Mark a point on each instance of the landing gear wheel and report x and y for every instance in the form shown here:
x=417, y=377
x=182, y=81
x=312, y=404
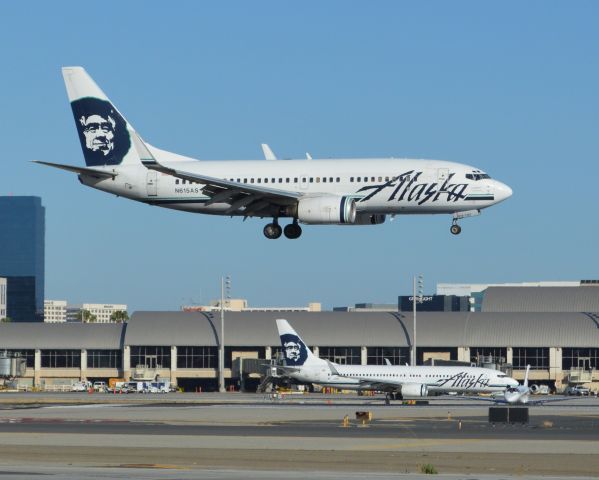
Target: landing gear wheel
x=292, y=231
x=272, y=231
x=455, y=229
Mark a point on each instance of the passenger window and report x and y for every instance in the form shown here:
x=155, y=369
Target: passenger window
x=273, y=180
x=380, y=179
x=311, y=179
x=358, y=179
x=259, y=180
x=245, y=180
x=372, y=179
x=287, y=180
x=266, y=180
x=239, y=180
x=280, y=180
x=386, y=179
x=351, y=179
x=317, y=179
x=338, y=179
x=251, y=180
x=324, y=179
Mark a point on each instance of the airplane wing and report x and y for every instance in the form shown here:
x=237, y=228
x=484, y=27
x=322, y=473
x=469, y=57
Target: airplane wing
x=80, y=170
x=249, y=199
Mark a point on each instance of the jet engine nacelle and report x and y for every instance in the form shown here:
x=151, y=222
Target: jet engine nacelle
x=326, y=210
x=414, y=390
x=369, y=219
x=534, y=388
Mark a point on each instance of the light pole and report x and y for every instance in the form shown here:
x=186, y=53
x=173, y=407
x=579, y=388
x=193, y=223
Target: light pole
x=221, y=347
x=415, y=299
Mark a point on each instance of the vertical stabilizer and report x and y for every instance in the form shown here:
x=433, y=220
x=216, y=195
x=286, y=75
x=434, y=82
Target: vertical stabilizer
x=525, y=384
x=105, y=135
x=295, y=351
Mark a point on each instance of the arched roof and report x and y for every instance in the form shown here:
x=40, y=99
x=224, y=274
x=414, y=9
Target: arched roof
x=35, y=335
x=251, y=329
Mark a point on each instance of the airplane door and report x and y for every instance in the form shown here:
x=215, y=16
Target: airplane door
x=152, y=183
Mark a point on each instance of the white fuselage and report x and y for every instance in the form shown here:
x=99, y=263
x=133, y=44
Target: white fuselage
x=379, y=186
x=436, y=378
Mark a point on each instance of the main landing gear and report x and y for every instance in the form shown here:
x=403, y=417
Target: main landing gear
x=273, y=230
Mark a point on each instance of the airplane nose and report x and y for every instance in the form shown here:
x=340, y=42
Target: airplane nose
x=502, y=191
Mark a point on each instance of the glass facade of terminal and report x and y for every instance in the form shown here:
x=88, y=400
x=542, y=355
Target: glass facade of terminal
x=22, y=236
x=395, y=355
x=536, y=357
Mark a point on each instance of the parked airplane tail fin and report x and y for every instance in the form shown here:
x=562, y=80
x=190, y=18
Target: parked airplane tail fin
x=525, y=384
x=295, y=351
x=105, y=135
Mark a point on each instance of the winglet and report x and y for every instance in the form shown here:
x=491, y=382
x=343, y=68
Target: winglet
x=332, y=368
x=268, y=153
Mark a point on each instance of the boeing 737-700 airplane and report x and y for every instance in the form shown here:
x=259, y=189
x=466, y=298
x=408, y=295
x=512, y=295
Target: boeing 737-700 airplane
x=360, y=191
x=406, y=381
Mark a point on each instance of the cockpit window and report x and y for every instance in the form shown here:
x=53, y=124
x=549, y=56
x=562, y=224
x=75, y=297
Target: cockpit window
x=501, y=376
x=477, y=175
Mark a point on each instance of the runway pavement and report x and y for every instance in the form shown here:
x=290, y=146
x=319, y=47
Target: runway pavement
x=241, y=433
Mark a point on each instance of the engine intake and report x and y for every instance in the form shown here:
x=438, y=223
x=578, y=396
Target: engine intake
x=414, y=390
x=326, y=210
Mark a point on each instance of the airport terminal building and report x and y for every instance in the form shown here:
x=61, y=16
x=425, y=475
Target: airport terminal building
x=561, y=347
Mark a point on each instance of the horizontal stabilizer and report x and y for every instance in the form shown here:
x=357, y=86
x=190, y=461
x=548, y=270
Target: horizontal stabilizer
x=80, y=170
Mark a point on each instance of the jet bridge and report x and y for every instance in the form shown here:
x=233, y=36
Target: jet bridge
x=12, y=365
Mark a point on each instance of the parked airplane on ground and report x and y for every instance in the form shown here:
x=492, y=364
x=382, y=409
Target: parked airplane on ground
x=416, y=381
x=520, y=395
x=320, y=192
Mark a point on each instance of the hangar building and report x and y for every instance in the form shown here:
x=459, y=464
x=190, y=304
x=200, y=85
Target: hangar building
x=561, y=347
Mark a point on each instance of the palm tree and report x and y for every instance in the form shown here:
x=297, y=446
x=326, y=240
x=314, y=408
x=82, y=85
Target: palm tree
x=86, y=316
x=119, y=316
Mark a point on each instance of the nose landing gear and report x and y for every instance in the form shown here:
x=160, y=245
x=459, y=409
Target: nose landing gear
x=455, y=228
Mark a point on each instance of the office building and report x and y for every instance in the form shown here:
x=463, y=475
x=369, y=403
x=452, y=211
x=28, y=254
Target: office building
x=98, y=312
x=22, y=236
x=55, y=311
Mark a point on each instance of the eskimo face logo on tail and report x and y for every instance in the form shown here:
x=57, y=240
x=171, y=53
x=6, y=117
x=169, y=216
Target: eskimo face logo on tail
x=102, y=131
x=294, y=349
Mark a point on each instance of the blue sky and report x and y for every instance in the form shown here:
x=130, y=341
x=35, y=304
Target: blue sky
x=510, y=87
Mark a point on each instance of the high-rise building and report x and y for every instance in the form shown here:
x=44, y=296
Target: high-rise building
x=22, y=235
x=2, y=298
